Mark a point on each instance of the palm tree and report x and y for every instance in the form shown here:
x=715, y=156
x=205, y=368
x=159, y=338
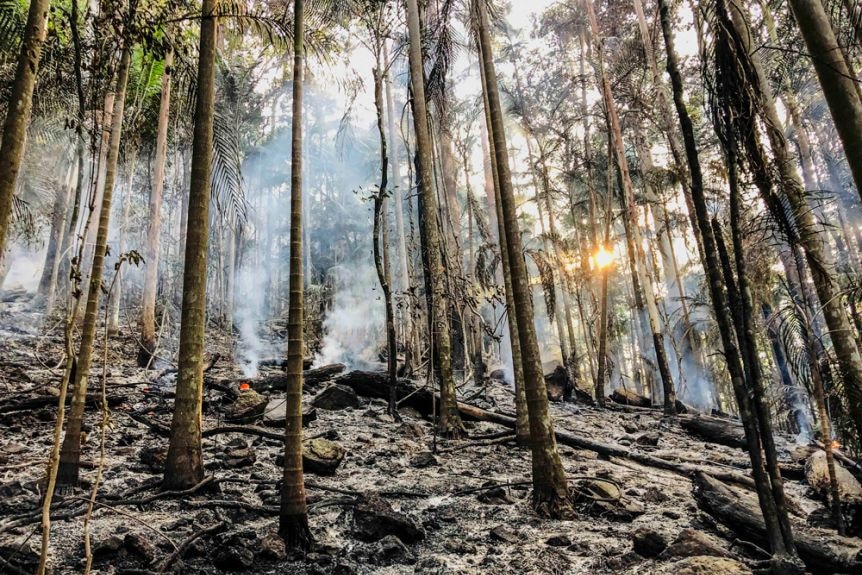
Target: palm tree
x=838, y=83
x=184, y=464
x=18, y=114
x=70, y=454
x=550, y=487
x=293, y=514
x=449, y=423
x=151, y=274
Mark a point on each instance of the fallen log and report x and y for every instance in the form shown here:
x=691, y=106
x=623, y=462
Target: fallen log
x=715, y=430
x=821, y=550
x=310, y=378
x=628, y=397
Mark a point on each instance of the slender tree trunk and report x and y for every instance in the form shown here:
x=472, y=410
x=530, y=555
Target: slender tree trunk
x=116, y=294
x=449, y=422
x=184, y=464
x=550, y=490
x=838, y=83
x=70, y=454
x=18, y=111
x=634, y=228
x=53, y=254
x=154, y=227
x=293, y=515
x=717, y=295
x=810, y=234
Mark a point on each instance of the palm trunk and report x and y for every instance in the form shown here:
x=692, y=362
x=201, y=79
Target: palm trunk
x=522, y=420
x=184, y=463
x=631, y=210
x=550, y=490
x=717, y=294
x=18, y=113
x=810, y=234
x=70, y=455
x=293, y=514
x=836, y=79
x=154, y=227
x=449, y=422
x=116, y=294
x=48, y=281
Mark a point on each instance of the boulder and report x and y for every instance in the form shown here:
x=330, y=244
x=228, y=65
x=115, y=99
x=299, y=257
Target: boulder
x=374, y=519
x=321, y=456
x=272, y=548
x=648, y=542
x=692, y=543
x=559, y=541
x=423, y=460
x=276, y=412
x=649, y=438
x=153, y=457
x=248, y=406
x=137, y=544
x=336, y=397
x=233, y=558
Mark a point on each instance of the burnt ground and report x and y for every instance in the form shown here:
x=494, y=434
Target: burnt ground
x=464, y=509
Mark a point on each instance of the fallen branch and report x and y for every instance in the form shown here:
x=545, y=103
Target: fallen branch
x=244, y=429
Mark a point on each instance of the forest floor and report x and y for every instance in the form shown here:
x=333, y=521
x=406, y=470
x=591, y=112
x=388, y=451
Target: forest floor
x=465, y=508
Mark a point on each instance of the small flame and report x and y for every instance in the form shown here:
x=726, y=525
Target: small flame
x=244, y=386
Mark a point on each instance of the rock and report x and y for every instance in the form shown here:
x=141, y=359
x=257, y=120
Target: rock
x=108, y=547
x=233, y=558
x=648, y=542
x=559, y=541
x=392, y=550
x=272, y=547
x=705, y=566
x=504, y=534
x=247, y=407
x=692, y=543
x=498, y=374
x=276, y=411
x=628, y=397
x=374, y=519
x=423, y=460
x=336, y=397
x=495, y=496
x=136, y=544
x=153, y=457
x=321, y=456
x=630, y=427
x=239, y=457
x=650, y=438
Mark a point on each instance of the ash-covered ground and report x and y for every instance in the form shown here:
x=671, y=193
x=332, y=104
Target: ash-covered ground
x=400, y=501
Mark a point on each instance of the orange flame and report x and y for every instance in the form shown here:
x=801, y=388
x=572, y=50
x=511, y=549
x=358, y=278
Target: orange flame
x=244, y=386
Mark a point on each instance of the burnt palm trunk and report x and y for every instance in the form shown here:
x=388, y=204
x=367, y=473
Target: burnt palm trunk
x=70, y=453
x=154, y=227
x=18, y=113
x=184, y=464
x=449, y=422
x=716, y=284
x=550, y=490
x=293, y=514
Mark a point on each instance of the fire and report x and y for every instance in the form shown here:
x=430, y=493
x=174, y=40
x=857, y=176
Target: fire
x=244, y=386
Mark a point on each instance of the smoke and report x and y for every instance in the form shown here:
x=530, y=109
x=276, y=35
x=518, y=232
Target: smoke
x=353, y=328
x=248, y=317
x=25, y=267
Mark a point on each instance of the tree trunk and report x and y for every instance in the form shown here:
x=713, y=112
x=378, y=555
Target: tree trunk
x=716, y=289
x=70, y=454
x=53, y=254
x=550, y=491
x=116, y=294
x=184, y=463
x=449, y=422
x=836, y=79
x=810, y=233
x=631, y=210
x=293, y=514
x=18, y=112
x=154, y=227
